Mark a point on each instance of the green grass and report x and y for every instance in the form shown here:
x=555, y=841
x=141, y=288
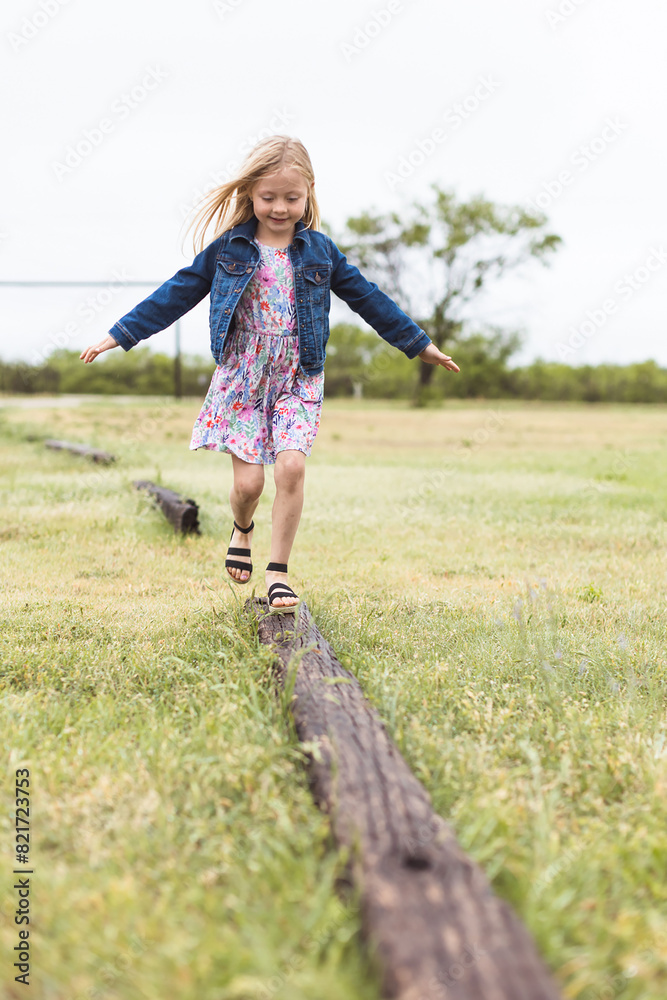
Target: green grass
x=493, y=575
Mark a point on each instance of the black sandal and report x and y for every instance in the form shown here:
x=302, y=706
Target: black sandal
x=280, y=590
x=234, y=563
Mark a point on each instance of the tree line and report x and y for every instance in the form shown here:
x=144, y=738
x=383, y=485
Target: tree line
x=359, y=365
x=436, y=261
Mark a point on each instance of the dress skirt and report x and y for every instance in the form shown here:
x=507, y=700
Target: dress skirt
x=259, y=402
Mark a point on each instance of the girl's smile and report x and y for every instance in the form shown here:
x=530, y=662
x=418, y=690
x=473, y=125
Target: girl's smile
x=279, y=201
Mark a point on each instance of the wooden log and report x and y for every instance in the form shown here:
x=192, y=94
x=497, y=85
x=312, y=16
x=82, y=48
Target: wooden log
x=95, y=454
x=179, y=511
x=428, y=911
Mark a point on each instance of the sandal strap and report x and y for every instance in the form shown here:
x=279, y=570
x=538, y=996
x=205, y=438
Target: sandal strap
x=276, y=568
x=235, y=564
x=280, y=590
x=235, y=550
x=244, y=531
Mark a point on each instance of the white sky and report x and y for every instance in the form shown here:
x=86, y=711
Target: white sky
x=222, y=71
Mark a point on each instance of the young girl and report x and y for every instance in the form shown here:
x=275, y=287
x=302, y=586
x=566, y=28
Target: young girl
x=269, y=272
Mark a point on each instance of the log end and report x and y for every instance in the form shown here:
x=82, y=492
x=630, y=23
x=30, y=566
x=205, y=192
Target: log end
x=181, y=512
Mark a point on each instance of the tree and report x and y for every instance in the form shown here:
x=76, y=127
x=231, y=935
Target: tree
x=350, y=355
x=442, y=256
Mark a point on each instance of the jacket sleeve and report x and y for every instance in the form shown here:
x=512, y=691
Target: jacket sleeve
x=168, y=302
x=375, y=306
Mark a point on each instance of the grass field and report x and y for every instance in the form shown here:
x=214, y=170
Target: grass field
x=495, y=577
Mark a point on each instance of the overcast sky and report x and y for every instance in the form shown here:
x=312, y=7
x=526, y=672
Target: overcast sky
x=556, y=102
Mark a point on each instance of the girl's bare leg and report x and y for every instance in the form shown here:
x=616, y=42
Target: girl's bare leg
x=244, y=497
x=289, y=475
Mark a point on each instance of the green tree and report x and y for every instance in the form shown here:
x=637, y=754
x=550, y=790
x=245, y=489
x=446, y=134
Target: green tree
x=350, y=355
x=442, y=256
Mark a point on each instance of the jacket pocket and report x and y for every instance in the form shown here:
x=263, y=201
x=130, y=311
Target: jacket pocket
x=234, y=267
x=316, y=284
x=317, y=276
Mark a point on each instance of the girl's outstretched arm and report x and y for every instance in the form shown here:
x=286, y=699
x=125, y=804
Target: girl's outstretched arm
x=90, y=353
x=432, y=356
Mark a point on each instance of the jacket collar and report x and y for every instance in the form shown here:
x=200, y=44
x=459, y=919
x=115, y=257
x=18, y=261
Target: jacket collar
x=246, y=231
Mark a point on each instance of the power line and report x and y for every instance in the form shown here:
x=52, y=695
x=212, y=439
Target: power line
x=178, y=387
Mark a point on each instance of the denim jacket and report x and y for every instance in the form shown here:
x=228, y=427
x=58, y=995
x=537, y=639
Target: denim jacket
x=225, y=267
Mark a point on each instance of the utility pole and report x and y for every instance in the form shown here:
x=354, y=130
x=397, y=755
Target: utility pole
x=178, y=381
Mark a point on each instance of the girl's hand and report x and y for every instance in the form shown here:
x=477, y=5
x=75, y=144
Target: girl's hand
x=432, y=356
x=90, y=353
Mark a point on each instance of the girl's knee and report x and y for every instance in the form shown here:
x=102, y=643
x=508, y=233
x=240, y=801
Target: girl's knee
x=248, y=488
x=290, y=468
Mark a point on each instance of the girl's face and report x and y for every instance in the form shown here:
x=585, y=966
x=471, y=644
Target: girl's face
x=279, y=201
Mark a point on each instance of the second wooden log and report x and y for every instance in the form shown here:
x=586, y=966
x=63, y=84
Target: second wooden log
x=179, y=511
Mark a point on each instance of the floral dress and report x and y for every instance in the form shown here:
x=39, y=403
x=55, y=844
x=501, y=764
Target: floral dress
x=259, y=403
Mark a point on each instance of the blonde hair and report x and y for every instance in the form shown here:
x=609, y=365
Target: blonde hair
x=230, y=204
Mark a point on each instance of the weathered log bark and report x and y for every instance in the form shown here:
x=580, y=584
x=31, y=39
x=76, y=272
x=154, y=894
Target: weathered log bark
x=179, y=511
x=428, y=911
x=95, y=454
